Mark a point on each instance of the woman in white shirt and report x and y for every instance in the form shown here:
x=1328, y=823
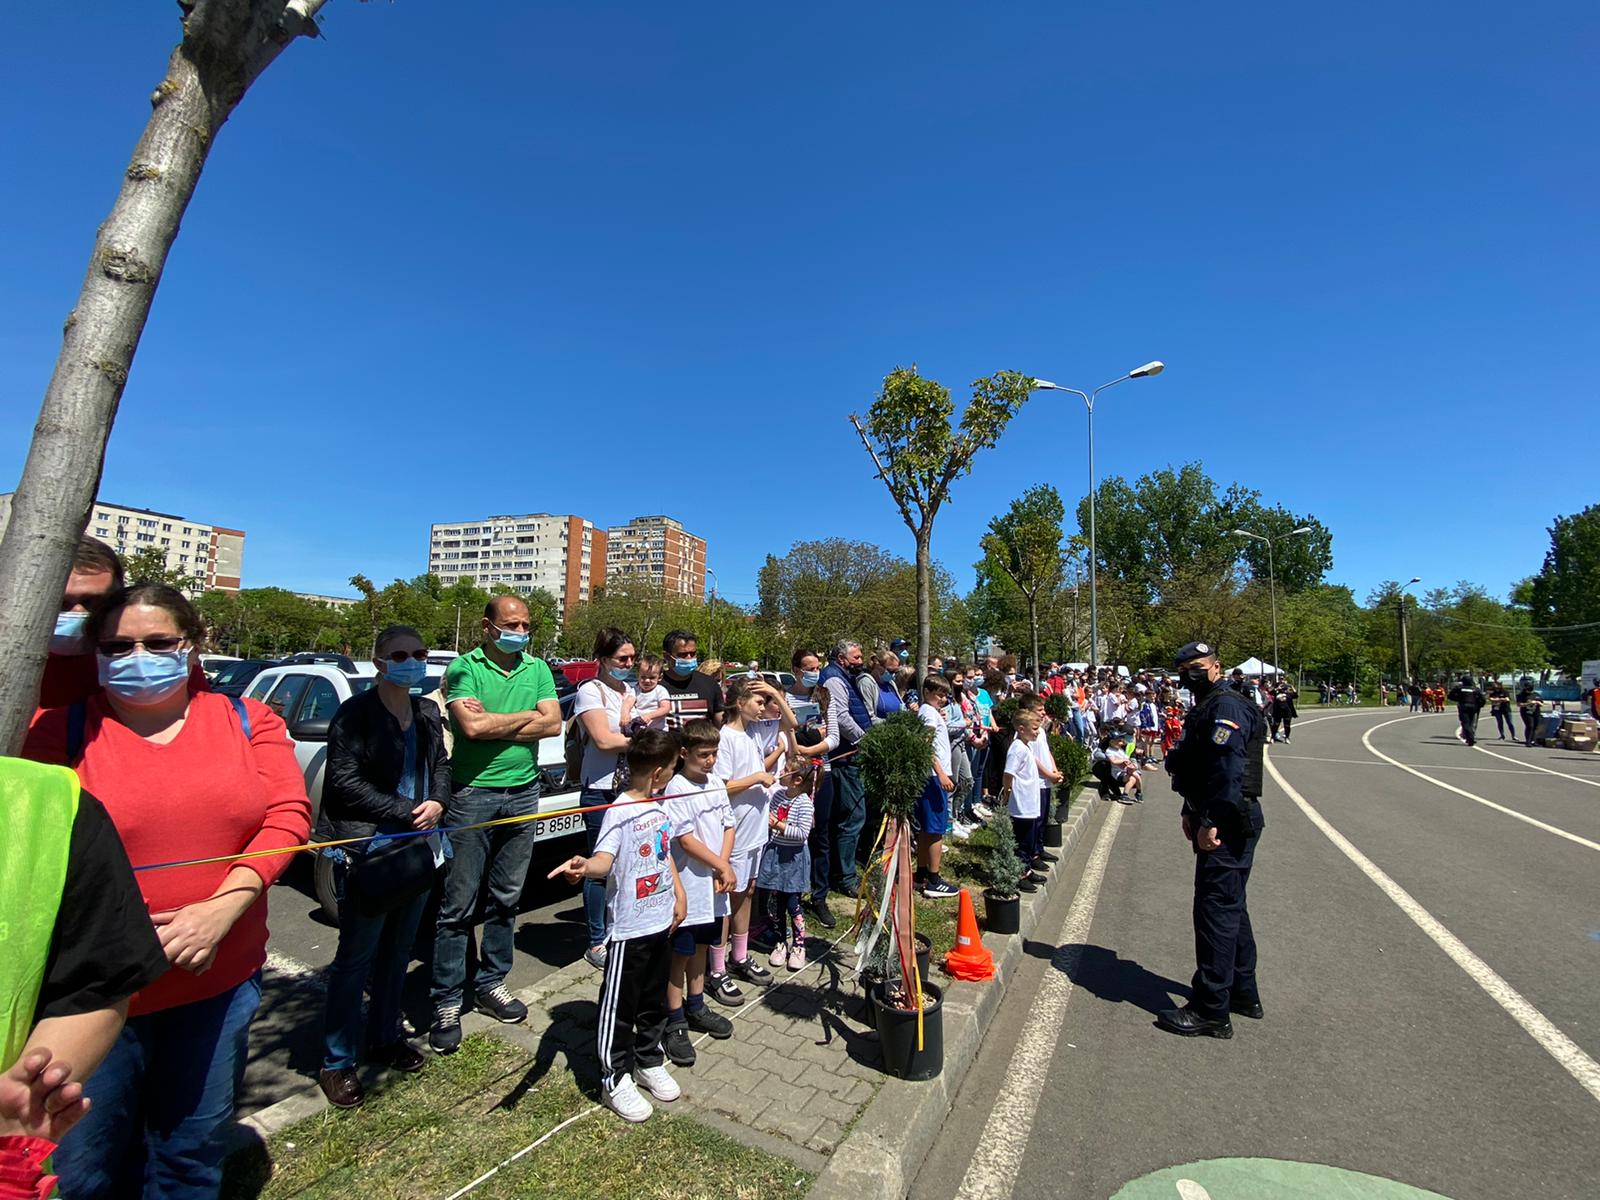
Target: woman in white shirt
x=598, y=708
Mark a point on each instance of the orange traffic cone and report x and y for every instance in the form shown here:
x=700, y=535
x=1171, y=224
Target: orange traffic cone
x=969, y=959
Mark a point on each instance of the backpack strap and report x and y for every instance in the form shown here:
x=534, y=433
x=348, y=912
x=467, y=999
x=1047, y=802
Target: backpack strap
x=77, y=721
x=242, y=713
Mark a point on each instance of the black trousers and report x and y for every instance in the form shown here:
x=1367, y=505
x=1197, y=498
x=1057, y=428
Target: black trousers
x=1505, y=725
x=1530, y=723
x=1469, y=724
x=1224, y=942
x=633, y=1006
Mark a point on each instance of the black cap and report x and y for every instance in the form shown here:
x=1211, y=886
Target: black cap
x=897, y=643
x=1194, y=650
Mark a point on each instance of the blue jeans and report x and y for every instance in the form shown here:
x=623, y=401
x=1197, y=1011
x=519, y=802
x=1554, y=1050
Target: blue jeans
x=376, y=946
x=594, y=890
x=503, y=854
x=841, y=812
x=161, y=1098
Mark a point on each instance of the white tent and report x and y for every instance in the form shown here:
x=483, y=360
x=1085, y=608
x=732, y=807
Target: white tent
x=1253, y=666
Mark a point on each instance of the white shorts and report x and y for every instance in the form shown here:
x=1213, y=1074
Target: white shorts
x=745, y=864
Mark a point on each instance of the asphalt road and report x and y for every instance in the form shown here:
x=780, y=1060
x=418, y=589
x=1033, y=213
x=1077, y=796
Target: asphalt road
x=1462, y=1061
x=286, y=1039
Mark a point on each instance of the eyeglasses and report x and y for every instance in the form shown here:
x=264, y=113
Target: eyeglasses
x=117, y=647
x=399, y=656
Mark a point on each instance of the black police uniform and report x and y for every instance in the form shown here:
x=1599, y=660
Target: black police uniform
x=1469, y=703
x=1216, y=767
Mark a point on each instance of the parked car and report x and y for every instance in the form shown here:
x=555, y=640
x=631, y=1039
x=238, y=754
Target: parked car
x=306, y=695
x=308, y=657
x=233, y=678
x=778, y=679
x=212, y=663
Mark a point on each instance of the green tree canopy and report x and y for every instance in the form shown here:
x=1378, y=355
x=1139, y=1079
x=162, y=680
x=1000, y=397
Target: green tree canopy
x=1566, y=591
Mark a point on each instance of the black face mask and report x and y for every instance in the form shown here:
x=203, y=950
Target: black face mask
x=1198, y=680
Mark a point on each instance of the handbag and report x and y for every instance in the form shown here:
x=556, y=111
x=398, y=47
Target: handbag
x=389, y=874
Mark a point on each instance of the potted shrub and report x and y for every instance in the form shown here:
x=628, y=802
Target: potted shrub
x=1001, y=869
x=1072, y=760
x=896, y=757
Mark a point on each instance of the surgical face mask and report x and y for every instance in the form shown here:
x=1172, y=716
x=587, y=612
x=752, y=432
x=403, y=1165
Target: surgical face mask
x=684, y=666
x=620, y=674
x=810, y=678
x=405, y=674
x=1198, y=678
x=510, y=641
x=68, y=637
x=142, y=678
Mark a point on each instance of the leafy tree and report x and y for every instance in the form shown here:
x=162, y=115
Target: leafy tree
x=148, y=564
x=1300, y=561
x=1566, y=592
x=1025, y=541
x=918, y=456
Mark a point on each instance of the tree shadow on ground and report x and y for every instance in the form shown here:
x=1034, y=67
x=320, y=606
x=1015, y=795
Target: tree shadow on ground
x=570, y=1036
x=1104, y=973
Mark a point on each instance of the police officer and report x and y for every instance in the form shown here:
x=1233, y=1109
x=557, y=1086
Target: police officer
x=1469, y=703
x=1216, y=768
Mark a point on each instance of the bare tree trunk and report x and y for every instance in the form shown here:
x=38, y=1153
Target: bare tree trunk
x=924, y=599
x=226, y=45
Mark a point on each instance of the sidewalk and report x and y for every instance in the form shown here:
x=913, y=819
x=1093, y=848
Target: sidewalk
x=794, y=1085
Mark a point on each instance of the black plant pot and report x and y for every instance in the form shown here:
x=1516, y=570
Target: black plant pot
x=1052, y=833
x=1002, y=914
x=924, y=952
x=897, y=1035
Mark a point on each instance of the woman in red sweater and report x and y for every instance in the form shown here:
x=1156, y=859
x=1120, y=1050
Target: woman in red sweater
x=182, y=777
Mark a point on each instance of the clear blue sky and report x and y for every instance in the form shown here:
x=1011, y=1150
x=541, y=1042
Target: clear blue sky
x=620, y=259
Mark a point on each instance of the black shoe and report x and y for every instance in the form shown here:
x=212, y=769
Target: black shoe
x=1247, y=1008
x=723, y=990
x=1035, y=877
x=1027, y=884
x=709, y=1020
x=935, y=888
x=750, y=971
x=678, y=1046
x=1046, y=856
x=445, y=1036
x=824, y=916
x=1185, y=1022
x=402, y=1056
x=499, y=1003
x=1040, y=866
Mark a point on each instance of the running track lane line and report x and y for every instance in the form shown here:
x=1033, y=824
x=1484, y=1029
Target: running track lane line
x=992, y=1174
x=1546, y=770
x=1558, y=1045
x=1366, y=740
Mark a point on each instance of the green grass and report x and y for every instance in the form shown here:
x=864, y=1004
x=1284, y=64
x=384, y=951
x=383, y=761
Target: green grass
x=429, y=1134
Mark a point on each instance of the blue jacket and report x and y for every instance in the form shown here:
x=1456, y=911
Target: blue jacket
x=858, y=708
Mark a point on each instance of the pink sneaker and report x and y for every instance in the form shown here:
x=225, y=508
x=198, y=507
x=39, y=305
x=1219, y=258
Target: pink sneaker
x=797, y=956
x=780, y=956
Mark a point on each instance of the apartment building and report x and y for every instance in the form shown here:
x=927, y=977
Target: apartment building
x=563, y=554
x=212, y=554
x=660, y=550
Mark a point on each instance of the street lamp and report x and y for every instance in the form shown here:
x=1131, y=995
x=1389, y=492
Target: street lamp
x=1405, y=649
x=1088, y=398
x=1272, y=582
x=711, y=611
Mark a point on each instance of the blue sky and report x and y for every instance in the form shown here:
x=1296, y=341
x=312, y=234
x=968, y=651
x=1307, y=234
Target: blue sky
x=636, y=258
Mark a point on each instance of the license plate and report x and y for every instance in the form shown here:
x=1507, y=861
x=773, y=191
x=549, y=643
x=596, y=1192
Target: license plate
x=553, y=827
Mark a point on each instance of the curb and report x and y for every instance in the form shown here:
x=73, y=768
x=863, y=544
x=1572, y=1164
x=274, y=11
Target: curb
x=894, y=1133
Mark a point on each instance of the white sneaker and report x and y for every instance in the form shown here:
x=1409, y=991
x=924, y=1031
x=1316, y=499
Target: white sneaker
x=779, y=956
x=985, y=811
x=659, y=1082
x=624, y=1100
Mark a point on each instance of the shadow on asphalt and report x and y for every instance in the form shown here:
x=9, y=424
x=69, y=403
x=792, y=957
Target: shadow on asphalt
x=1105, y=974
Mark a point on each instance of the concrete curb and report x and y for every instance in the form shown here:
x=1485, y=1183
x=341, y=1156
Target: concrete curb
x=880, y=1157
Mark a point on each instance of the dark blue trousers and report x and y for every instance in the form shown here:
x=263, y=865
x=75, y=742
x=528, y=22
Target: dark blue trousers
x=1224, y=943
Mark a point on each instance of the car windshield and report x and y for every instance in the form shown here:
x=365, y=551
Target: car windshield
x=238, y=672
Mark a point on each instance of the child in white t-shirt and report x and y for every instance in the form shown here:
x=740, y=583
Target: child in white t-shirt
x=645, y=901
x=651, y=703
x=1023, y=783
x=702, y=847
x=1049, y=777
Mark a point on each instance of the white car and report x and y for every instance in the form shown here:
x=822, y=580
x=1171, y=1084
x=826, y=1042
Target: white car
x=306, y=695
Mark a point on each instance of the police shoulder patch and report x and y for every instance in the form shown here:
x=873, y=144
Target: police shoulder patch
x=1222, y=732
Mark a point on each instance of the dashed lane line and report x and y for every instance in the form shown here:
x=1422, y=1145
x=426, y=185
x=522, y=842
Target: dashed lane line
x=1540, y=1028
x=1366, y=740
x=992, y=1174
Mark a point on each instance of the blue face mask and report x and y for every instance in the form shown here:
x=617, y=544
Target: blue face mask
x=68, y=637
x=810, y=678
x=509, y=641
x=620, y=674
x=684, y=666
x=143, y=678
x=405, y=674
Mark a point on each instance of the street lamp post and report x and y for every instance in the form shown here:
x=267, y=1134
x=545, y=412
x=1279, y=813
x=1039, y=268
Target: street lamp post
x=1405, y=648
x=711, y=611
x=1272, y=583
x=1088, y=398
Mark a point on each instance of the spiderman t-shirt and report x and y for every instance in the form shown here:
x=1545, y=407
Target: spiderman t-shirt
x=639, y=893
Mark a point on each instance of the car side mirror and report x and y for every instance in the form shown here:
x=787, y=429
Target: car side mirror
x=310, y=731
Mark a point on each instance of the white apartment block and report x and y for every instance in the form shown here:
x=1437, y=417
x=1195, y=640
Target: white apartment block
x=563, y=554
x=212, y=554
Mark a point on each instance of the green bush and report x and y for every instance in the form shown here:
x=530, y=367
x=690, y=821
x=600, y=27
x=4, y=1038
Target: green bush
x=1005, y=711
x=896, y=758
x=1057, y=707
x=1072, y=760
x=998, y=863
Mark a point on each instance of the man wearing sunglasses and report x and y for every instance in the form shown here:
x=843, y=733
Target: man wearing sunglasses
x=502, y=701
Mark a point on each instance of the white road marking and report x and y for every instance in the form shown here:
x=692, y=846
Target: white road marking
x=992, y=1174
x=293, y=968
x=1362, y=762
x=1536, y=767
x=1558, y=1045
x=1366, y=740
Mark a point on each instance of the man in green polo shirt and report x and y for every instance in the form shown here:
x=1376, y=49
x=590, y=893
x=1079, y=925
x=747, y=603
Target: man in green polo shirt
x=502, y=701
